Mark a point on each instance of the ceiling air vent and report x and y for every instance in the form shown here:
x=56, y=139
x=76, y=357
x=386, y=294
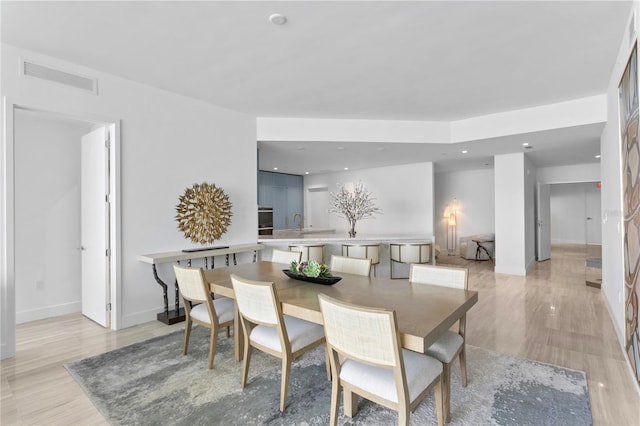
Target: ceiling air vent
x=62, y=77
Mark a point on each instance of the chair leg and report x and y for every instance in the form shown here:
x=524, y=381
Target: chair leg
x=446, y=391
x=439, y=408
x=403, y=416
x=350, y=403
x=228, y=331
x=463, y=364
x=245, y=364
x=284, y=385
x=212, y=345
x=327, y=362
x=187, y=334
x=335, y=401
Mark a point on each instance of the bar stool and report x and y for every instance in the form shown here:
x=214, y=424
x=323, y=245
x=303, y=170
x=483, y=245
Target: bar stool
x=312, y=251
x=363, y=251
x=414, y=252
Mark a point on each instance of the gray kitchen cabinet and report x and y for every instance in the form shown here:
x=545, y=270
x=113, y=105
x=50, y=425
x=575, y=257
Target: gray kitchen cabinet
x=284, y=193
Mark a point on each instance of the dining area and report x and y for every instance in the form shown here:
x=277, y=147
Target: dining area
x=386, y=340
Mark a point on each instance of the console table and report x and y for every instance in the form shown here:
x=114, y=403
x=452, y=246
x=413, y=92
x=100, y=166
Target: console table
x=480, y=243
x=177, y=315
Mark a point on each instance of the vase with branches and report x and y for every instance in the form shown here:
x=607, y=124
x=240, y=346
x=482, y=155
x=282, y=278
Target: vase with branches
x=353, y=205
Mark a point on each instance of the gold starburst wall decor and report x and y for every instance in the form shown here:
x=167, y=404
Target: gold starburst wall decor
x=204, y=213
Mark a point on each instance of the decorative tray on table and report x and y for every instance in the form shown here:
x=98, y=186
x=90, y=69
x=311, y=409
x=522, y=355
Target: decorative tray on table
x=330, y=280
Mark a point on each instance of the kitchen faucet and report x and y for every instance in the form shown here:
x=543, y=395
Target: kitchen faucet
x=300, y=222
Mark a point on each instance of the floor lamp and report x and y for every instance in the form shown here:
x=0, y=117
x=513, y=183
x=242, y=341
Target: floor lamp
x=450, y=215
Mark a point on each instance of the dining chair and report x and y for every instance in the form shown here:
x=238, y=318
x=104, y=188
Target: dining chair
x=201, y=308
x=367, y=360
x=267, y=329
x=284, y=256
x=450, y=343
x=350, y=265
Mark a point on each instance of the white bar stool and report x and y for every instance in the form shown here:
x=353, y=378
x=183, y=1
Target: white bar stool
x=415, y=252
x=309, y=251
x=363, y=251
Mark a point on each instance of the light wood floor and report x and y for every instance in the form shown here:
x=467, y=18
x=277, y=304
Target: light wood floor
x=550, y=316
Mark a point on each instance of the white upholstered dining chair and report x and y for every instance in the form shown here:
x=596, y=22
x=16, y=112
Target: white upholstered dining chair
x=367, y=359
x=267, y=329
x=450, y=343
x=285, y=256
x=350, y=265
x=201, y=308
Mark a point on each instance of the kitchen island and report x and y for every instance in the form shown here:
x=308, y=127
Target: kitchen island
x=333, y=245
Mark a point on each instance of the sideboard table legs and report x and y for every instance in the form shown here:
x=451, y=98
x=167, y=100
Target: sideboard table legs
x=174, y=316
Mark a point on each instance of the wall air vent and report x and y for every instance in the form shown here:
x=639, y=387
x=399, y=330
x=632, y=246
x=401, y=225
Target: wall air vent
x=32, y=69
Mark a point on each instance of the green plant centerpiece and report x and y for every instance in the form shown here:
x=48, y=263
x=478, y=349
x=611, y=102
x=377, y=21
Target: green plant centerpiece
x=311, y=271
x=310, y=268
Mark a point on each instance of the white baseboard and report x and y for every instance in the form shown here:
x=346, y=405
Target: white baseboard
x=142, y=317
x=510, y=270
x=48, y=312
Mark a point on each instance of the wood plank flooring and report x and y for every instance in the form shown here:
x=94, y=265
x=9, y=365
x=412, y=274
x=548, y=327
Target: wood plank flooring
x=550, y=316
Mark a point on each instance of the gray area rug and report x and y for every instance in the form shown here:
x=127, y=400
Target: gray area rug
x=152, y=383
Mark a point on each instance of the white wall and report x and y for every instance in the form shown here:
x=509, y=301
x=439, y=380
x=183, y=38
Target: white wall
x=567, y=174
x=47, y=228
x=474, y=192
x=168, y=142
x=572, y=113
x=569, y=211
x=612, y=238
x=403, y=193
x=530, y=180
x=511, y=236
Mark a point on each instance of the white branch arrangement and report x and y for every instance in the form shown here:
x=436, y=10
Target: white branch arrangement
x=353, y=205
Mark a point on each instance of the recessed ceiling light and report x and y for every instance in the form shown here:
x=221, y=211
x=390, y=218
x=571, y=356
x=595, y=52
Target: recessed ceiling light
x=278, y=19
x=306, y=173
x=340, y=148
x=525, y=143
x=464, y=151
x=275, y=168
x=346, y=168
x=380, y=148
x=598, y=156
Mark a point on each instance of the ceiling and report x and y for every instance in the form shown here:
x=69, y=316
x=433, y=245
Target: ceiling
x=388, y=60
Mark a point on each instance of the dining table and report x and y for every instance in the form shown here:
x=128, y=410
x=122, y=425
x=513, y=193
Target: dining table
x=424, y=312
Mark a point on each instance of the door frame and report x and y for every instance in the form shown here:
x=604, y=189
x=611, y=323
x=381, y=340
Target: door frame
x=540, y=250
x=7, y=220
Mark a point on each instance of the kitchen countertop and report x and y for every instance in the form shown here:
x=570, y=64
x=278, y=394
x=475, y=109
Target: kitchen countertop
x=293, y=233
x=296, y=237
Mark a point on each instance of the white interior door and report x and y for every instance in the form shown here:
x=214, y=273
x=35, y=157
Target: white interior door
x=318, y=207
x=543, y=220
x=593, y=232
x=95, y=226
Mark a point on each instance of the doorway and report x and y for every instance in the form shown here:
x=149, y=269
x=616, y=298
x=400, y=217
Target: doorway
x=41, y=193
x=572, y=214
x=576, y=213
x=318, y=207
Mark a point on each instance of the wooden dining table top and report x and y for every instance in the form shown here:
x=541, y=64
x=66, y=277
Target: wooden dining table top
x=424, y=312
